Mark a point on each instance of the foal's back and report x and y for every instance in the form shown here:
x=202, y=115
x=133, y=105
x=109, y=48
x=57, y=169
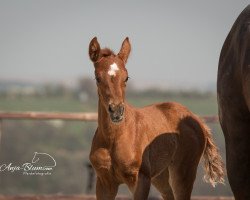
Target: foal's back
x=170, y=118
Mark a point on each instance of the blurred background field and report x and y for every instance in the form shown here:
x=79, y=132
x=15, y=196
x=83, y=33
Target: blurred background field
x=69, y=141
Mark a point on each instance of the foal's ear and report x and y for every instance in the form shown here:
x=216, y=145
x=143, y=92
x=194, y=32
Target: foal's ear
x=125, y=50
x=94, y=49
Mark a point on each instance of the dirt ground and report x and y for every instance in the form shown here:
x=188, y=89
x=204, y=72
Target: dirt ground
x=81, y=197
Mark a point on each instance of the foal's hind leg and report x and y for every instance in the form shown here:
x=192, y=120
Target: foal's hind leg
x=161, y=182
x=182, y=177
x=182, y=182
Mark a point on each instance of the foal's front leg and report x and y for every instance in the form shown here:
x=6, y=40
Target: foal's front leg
x=106, y=189
x=143, y=187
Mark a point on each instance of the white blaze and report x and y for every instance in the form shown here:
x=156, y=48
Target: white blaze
x=112, y=70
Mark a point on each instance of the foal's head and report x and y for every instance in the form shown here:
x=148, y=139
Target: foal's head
x=111, y=77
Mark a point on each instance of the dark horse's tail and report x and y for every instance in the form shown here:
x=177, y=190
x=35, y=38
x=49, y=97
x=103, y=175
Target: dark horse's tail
x=213, y=165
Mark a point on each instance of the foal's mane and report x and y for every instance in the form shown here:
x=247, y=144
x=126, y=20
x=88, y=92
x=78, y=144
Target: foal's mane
x=106, y=52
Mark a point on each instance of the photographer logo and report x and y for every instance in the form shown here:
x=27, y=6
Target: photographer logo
x=41, y=164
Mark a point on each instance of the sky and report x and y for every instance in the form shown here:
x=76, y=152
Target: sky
x=175, y=44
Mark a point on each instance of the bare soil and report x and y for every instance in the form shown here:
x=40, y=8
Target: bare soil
x=85, y=197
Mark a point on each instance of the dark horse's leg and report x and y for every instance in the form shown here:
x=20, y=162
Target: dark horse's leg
x=238, y=163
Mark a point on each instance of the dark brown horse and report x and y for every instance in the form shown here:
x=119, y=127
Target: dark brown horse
x=233, y=86
x=160, y=144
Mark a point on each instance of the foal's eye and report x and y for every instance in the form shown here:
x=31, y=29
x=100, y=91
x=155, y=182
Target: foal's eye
x=126, y=79
x=98, y=80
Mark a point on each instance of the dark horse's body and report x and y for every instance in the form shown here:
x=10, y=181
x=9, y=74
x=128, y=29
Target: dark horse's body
x=233, y=87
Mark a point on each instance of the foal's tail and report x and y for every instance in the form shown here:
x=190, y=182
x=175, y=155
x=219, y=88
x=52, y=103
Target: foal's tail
x=213, y=164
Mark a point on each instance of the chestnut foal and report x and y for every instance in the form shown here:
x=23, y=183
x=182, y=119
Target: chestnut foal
x=160, y=144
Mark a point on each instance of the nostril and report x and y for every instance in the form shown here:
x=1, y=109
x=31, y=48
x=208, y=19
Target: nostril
x=122, y=109
x=111, y=108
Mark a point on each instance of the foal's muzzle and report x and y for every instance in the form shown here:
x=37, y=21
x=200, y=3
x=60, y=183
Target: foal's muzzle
x=116, y=112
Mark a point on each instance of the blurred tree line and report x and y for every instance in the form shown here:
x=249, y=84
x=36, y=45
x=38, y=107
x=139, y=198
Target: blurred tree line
x=85, y=90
